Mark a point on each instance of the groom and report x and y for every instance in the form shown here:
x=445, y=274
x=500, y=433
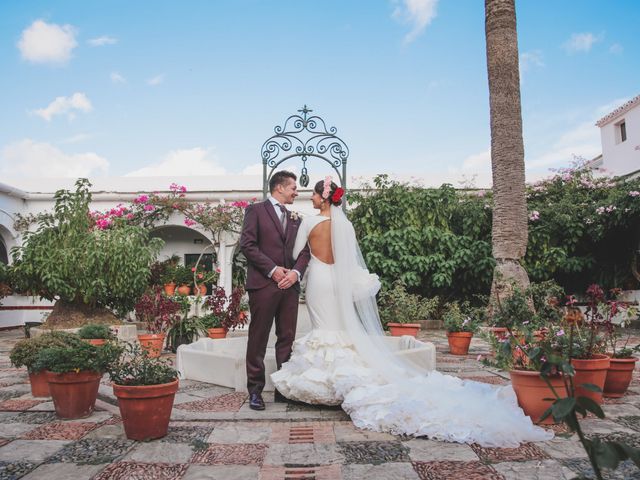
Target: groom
x=267, y=239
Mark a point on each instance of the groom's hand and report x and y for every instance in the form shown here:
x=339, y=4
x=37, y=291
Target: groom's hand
x=278, y=274
x=289, y=279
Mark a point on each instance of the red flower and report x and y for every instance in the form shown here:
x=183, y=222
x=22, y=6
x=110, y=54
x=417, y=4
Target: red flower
x=337, y=195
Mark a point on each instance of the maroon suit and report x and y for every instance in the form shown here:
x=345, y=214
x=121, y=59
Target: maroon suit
x=266, y=246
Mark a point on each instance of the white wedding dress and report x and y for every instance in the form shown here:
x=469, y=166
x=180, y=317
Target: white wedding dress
x=344, y=361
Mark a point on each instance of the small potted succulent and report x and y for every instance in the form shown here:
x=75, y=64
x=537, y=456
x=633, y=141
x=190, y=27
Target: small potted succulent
x=400, y=310
x=145, y=387
x=25, y=354
x=96, y=334
x=73, y=372
x=461, y=322
x=159, y=312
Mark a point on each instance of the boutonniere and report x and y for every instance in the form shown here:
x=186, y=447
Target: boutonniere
x=295, y=216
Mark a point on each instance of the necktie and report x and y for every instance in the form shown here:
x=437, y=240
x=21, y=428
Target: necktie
x=283, y=216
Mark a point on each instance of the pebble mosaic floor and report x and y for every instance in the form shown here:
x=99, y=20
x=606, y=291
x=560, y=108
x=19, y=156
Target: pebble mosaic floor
x=214, y=435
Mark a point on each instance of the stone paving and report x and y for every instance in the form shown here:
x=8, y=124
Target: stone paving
x=214, y=435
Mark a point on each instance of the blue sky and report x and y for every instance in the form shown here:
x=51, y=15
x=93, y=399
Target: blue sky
x=110, y=88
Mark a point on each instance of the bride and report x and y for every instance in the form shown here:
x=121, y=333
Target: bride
x=344, y=360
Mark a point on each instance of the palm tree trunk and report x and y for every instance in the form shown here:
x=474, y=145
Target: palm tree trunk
x=509, y=229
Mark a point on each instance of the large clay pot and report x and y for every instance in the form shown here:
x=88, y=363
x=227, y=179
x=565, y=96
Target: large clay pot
x=592, y=370
x=169, y=289
x=152, y=343
x=619, y=376
x=39, y=384
x=74, y=394
x=531, y=391
x=459, y=342
x=400, y=329
x=95, y=341
x=146, y=409
x=217, y=332
x=184, y=290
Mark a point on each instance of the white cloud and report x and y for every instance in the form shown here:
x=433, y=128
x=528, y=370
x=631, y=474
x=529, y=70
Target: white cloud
x=581, y=42
x=157, y=80
x=61, y=105
x=117, y=78
x=101, y=41
x=29, y=158
x=616, y=49
x=254, y=169
x=418, y=14
x=530, y=60
x=192, y=161
x=45, y=42
x=80, y=137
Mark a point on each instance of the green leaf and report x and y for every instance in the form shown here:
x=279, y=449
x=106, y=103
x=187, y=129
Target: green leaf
x=563, y=407
x=591, y=406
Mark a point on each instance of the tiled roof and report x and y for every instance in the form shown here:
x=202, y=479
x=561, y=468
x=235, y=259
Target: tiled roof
x=618, y=111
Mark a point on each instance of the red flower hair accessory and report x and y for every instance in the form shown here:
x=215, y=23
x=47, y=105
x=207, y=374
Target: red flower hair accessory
x=337, y=195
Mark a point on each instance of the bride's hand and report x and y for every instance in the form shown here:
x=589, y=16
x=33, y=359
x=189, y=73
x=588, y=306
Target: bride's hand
x=289, y=279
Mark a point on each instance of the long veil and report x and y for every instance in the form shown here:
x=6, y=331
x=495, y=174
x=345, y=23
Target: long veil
x=355, y=292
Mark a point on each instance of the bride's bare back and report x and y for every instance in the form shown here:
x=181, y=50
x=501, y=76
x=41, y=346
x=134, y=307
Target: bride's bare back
x=320, y=242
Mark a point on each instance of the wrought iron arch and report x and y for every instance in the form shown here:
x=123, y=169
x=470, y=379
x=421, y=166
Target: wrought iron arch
x=305, y=137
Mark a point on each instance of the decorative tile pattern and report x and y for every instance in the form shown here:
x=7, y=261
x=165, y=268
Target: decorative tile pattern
x=625, y=471
x=526, y=451
x=230, y=402
x=490, y=379
x=135, y=470
x=319, y=432
x=92, y=451
x=19, y=404
x=374, y=452
x=455, y=470
x=60, y=431
x=35, y=417
x=312, y=472
x=231, y=454
x=114, y=420
x=631, y=421
x=11, y=470
x=187, y=434
x=632, y=440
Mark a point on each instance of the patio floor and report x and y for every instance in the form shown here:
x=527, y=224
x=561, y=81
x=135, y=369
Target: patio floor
x=214, y=435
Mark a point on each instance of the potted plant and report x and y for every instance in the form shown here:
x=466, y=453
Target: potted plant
x=73, y=373
x=461, y=322
x=186, y=329
x=622, y=361
x=168, y=280
x=184, y=279
x=96, y=334
x=400, y=310
x=162, y=273
x=159, y=312
x=145, y=387
x=224, y=311
x=25, y=354
x=69, y=259
x=586, y=345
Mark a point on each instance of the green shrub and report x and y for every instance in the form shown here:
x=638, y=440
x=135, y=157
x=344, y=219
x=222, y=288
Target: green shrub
x=134, y=367
x=96, y=331
x=81, y=356
x=25, y=352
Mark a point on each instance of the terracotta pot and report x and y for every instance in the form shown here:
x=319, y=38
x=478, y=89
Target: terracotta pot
x=594, y=371
x=531, y=391
x=399, y=329
x=74, y=394
x=217, y=332
x=169, y=288
x=152, y=343
x=146, y=409
x=499, y=332
x=201, y=288
x=95, y=341
x=619, y=376
x=184, y=290
x=39, y=384
x=459, y=342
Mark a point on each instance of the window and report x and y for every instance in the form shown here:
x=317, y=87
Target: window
x=621, y=131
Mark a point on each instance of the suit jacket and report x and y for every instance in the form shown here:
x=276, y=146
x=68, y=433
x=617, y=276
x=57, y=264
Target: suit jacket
x=265, y=244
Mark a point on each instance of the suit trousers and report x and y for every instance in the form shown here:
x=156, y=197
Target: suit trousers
x=266, y=305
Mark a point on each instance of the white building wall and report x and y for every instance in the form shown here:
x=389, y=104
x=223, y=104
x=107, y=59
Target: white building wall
x=622, y=157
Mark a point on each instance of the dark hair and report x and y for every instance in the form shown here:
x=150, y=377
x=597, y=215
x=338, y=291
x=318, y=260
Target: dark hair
x=280, y=178
x=319, y=189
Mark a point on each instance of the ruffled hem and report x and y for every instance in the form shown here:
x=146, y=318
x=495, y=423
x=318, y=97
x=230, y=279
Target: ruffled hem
x=324, y=366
